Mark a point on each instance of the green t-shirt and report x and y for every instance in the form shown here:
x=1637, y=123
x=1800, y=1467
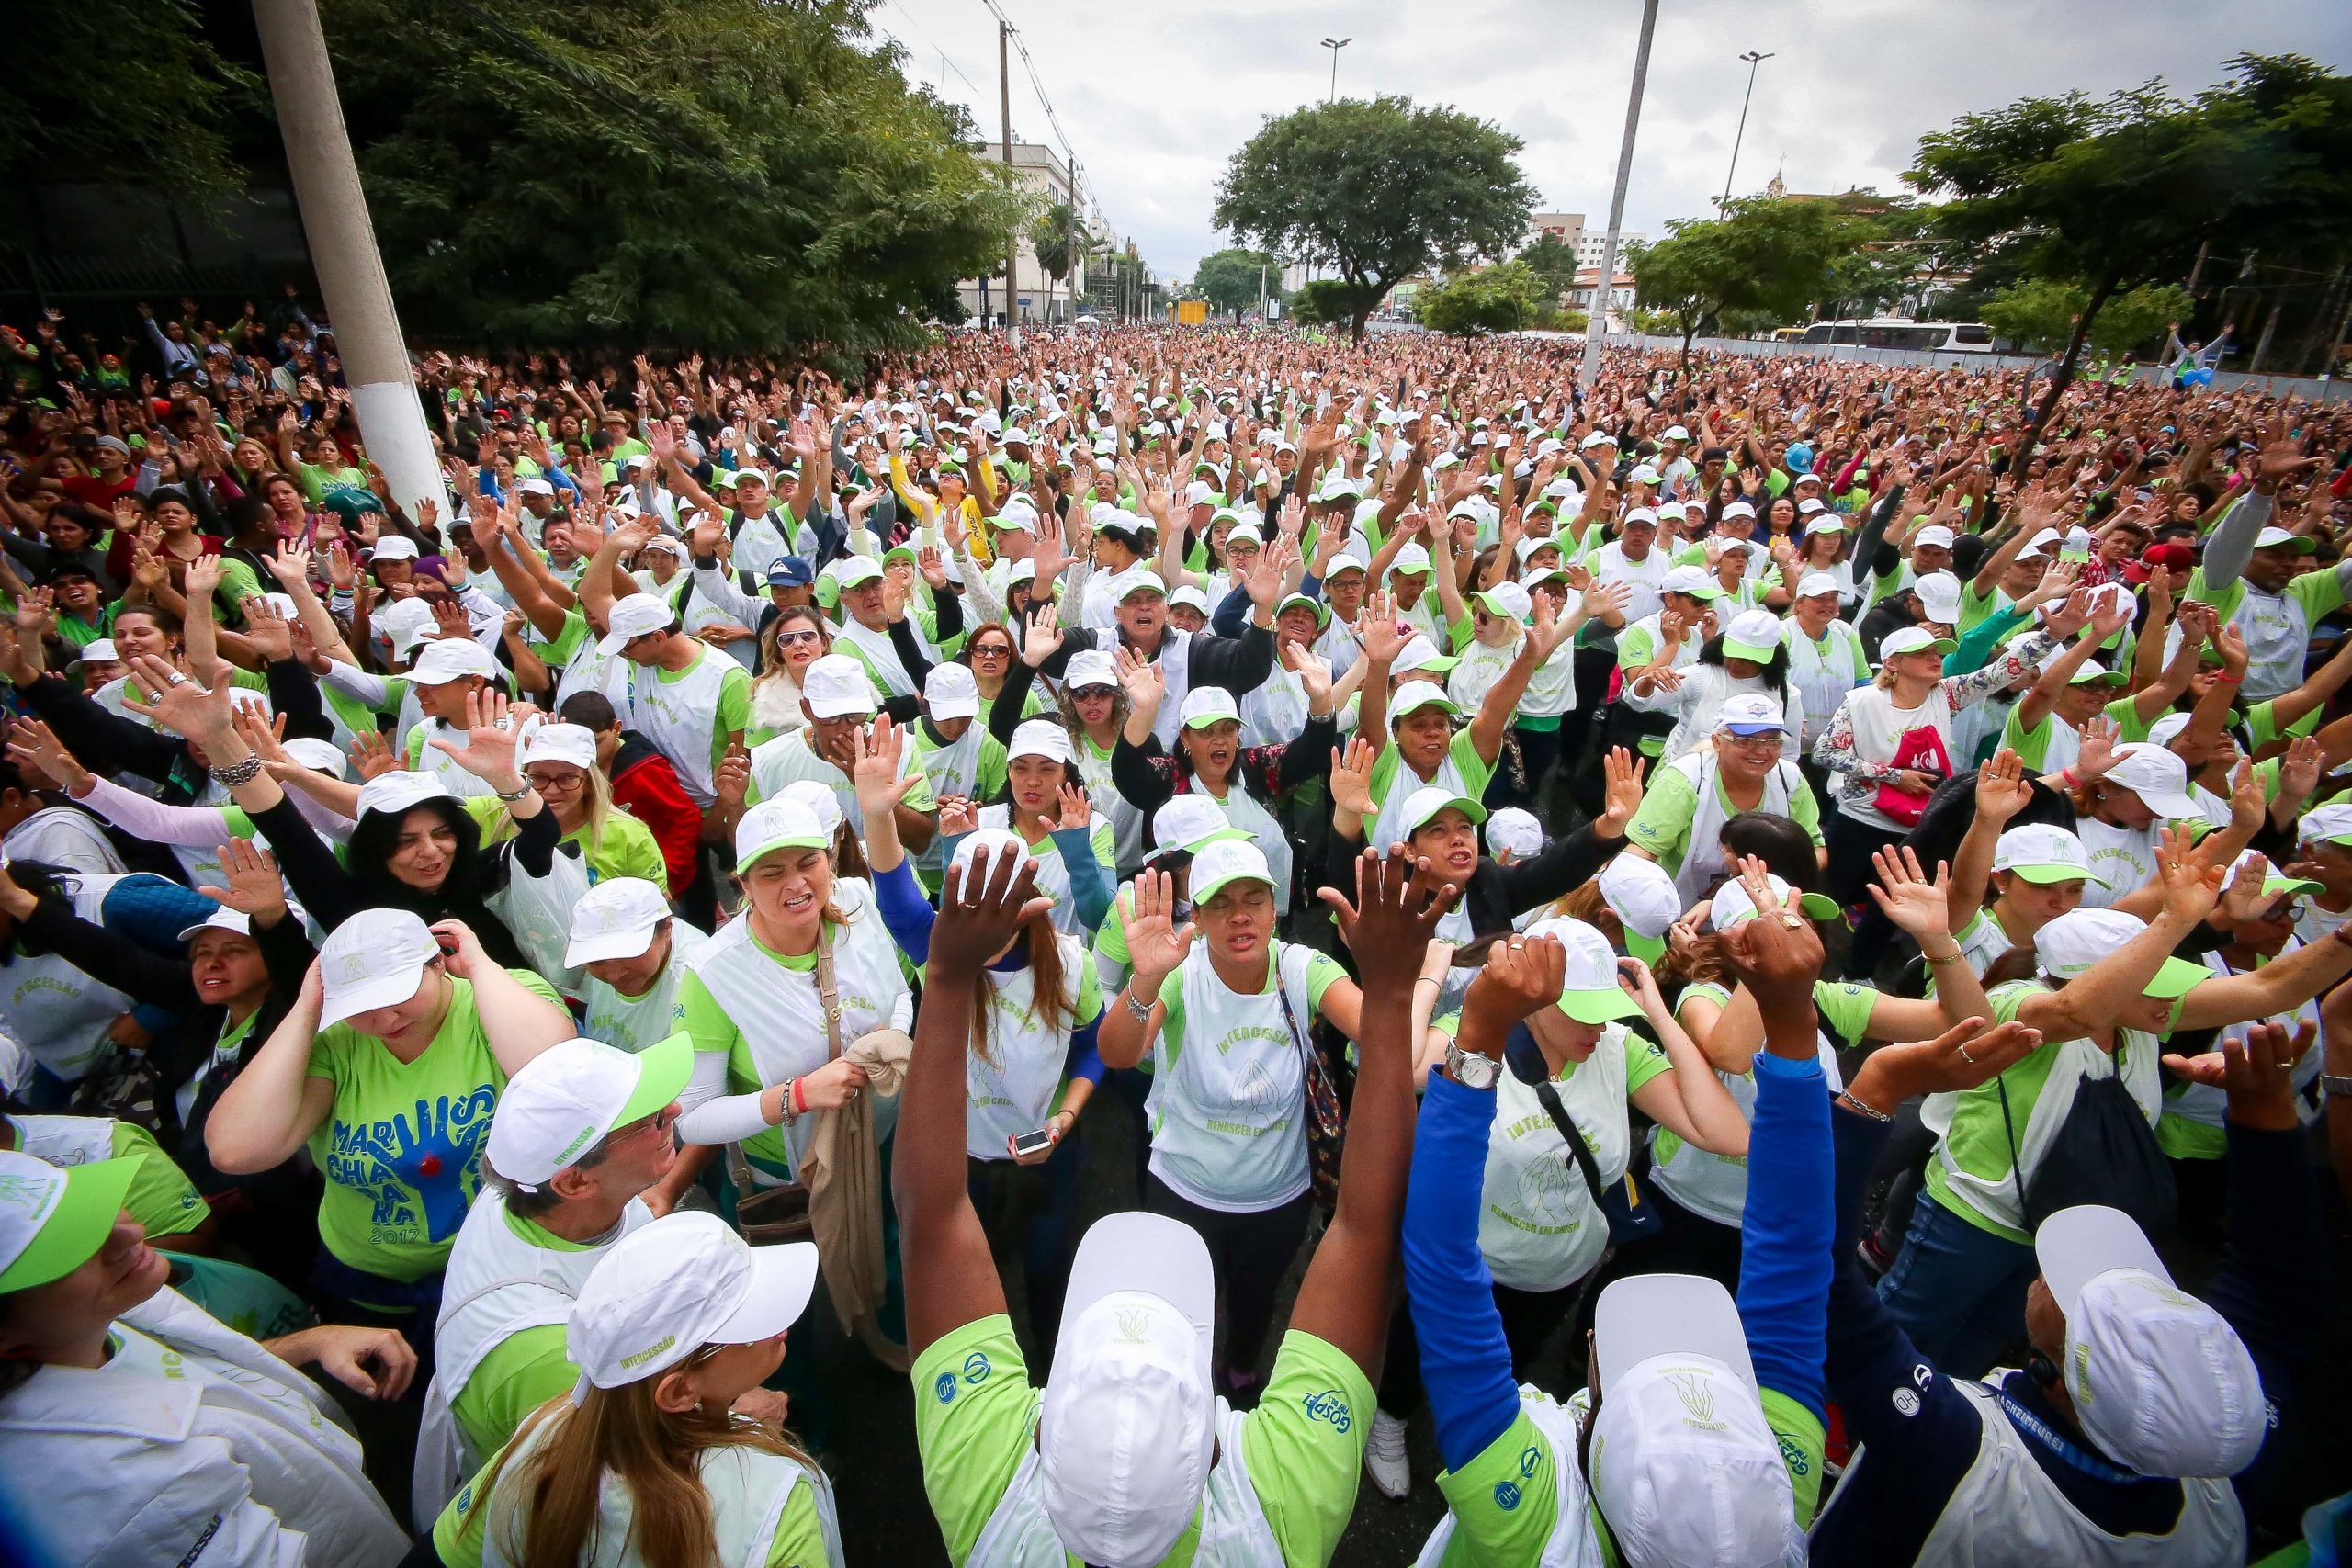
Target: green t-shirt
x=319, y=483
x=2032, y=743
x=1662, y=826
x=1462, y=752
x=624, y=846
x=523, y=1371
x=975, y=1411
x=401, y=1147
x=1506, y=1500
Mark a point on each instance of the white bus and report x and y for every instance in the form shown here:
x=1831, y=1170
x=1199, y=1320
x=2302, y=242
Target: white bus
x=1901, y=332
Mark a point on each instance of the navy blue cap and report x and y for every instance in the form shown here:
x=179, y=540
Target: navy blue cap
x=790, y=572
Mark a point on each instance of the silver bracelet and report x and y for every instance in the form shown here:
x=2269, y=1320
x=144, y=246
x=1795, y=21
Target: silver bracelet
x=1846, y=1097
x=237, y=774
x=1140, y=1010
x=783, y=1103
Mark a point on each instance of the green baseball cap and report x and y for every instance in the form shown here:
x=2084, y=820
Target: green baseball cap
x=54, y=1219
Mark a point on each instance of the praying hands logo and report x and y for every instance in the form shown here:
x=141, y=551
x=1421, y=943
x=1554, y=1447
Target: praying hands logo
x=1544, y=1195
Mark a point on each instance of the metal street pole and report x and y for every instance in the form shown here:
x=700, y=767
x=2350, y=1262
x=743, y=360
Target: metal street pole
x=1754, y=60
x=343, y=245
x=1069, y=243
x=1011, y=239
x=1597, y=321
x=1262, y=294
x=1335, y=45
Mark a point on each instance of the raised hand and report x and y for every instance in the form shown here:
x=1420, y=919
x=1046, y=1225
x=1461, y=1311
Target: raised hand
x=2258, y=1073
x=1961, y=1057
x=1905, y=894
x=31, y=744
x=875, y=758
x=1041, y=634
x=732, y=780
x=372, y=754
x=981, y=908
x=290, y=563
x=1777, y=955
x=2002, y=788
x=2191, y=887
x=1077, y=808
x=1156, y=943
x=255, y=887
x=1622, y=773
x=1146, y=687
x=1352, y=776
x=462, y=951
x=488, y=751
x=182, y=706
x=1396, y=911
x=267, y=631
x=1521, y=977
x=2101, y=737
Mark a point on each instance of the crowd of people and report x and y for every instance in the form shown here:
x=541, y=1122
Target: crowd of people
x=1759, y=945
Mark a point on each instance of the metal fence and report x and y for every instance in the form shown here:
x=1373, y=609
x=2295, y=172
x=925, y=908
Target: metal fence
x=2321, y=388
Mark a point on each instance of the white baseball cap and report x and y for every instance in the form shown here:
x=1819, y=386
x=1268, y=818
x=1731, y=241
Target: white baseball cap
x=1933, y=536
x=1683, y=1465
x=615, y=918
x=1588, y=989
x=318, y=756
x=777, y=825
x=2159, y=1380
x=558, y=742
x=1090, y=667
x=404, y=623
x=1695, y=582
x=1345, y=561
x=2041, y=544
x=451, y=658
x=2158, y=777
x=1223, y=860
x=1421, y=653
x=395, y=547
x=1515, y=831
x=631, y=617
x=1642, y=895
x=2069, y=946
x=950, y=692
x=1187, y=822
x=856, y=571
x=1731, y=904
x=1127, y=584
x=1739, y=509
x=1639, y=516
x=2304, y=544
x=571, y=1095
x=1126, y=1428
x=1425, y=803
x=1810, y=506
x=1813, y=583
x=1205, y=705
x=668, y=1288
x=1753, y=634
x=1505, y=600
x=401, y=790
x=1185, y=594
x=375, y=959
x=1751, y=713
x=2327, y=825
x=1411, y=561
x=822, y=800
x=1913, y=639
x=2043, y=854
x=54, y=1220
x=99, y=650
x=1938, y=594
x=1045, y=738
x=836, y=686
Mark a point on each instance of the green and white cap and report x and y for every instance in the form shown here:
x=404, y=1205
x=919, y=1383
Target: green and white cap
x=1914, y=639
x=2327, y=825
x=1420, y=654
x=1423, y=805
x=1507, y=602
x=1645, y=900
x=52, y=1220
x=1204, y=706
x=1731, y=904
x=2275, y=882
x=670, y=1287
x=1223, y=860
x=1753, y=634
x=2043, y=854
x=570, y=1096
x=1588, y=989
x=2069, y=946
x=1415, y=695
x=774, y=825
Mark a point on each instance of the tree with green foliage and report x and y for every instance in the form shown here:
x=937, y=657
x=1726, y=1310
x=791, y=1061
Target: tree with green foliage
x=1764, y=258
x=1554, y=260
x=1055, y=239
x=2113, y=193
x=1228, y=279
x=125, y=91
x=1509, y=297
x=1378, y=190
x=612, y=174
x=1332, y=302
x=2041, y=315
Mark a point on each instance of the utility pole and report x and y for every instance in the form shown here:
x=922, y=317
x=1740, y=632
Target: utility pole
x=1069, y=240
x=1597, y=322
x=1262, y=294
x=1335, y=45
x=357, y=297
x=1754, y=60
x=1012, y=239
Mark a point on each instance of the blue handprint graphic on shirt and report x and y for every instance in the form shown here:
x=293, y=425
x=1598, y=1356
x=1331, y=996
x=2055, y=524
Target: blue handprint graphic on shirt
x=427, y=1159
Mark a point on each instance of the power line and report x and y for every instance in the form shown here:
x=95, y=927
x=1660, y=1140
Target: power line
x=1037, y=85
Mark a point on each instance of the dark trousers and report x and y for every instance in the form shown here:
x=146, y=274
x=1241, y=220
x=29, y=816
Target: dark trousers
x=1027, y=1211
x=1250, y=1253
x=1851, y=846
x=1529, y=1318
x=1525, y=781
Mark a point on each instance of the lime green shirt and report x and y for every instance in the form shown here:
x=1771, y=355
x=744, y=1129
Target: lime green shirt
x=622, y=847
x=523, y=1371
x=975, y=1411
x=1662, y=826
x=401, y=1143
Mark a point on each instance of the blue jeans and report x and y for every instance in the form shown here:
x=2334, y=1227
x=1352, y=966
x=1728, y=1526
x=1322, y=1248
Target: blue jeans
x=1958, y=1289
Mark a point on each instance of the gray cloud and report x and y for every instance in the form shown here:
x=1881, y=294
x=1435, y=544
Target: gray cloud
x=1155, y=99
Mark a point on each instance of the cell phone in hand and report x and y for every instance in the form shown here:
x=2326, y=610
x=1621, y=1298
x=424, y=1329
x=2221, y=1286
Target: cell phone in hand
x=1024, y=1143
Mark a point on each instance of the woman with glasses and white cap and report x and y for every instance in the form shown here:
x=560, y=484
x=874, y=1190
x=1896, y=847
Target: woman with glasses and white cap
x=386, y=1068
x=653, y=1461
x=1045, y=806
x=1226, y=1022
x=1689, y=800
x=1034, y=1064
x=1024, y=1477
x=134, y=1427
x=2104, y=990
x=1749, y=658
x=581, y=1154
x=560, y=762
x=2147, y=1426
x=1208, y=756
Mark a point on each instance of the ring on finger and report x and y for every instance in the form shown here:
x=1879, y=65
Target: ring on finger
x=1966, y=1057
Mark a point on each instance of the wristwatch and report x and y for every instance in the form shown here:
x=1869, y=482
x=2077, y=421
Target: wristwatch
x=1470, y=1069
x=2336, y=1086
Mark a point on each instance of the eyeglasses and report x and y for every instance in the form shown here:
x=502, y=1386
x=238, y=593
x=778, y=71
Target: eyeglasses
x=547, y=782
x=1770, y=741
x=662, y=1119
x=794, y=639
x=991, y=651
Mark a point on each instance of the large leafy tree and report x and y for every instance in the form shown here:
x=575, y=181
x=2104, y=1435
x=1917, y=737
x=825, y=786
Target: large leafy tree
x=729, y=175
x=1229, y=278
x=1378, y=190
x=1496, y=299
x=1762, y=258
x=2108, y=194
x=2041, y=314
x=1554, y=260
x=122, y=90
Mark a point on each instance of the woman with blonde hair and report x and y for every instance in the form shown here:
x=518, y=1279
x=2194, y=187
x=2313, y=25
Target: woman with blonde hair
x=791, y=642
x=669, y=1453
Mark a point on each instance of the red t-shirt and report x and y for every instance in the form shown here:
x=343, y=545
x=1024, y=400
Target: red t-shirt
x=97, y=492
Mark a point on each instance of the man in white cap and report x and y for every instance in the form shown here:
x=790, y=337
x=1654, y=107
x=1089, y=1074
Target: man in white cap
x=1186, y=659
x=447, y=672
x=2146, y=1423
x=1698, y=1440
x=688, y=698
x=2252, y=572
x=838, y=698
x=1126, y=1458
x=634, y=951
x=580, y=1154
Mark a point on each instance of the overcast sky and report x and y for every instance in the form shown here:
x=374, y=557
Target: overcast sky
x=1155, y=99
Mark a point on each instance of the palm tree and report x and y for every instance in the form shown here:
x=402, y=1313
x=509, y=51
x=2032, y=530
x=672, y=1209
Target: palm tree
x=1054, y=237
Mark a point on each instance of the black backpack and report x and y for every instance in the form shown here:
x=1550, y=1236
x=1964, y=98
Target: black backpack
x=2105, y=1154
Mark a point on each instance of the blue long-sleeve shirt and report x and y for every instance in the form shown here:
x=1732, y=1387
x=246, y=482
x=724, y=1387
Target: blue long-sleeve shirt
x=1466, y=1370
x=1785, y=1231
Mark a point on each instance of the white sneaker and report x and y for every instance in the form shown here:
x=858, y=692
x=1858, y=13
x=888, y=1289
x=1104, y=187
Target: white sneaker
x=1383, y=1456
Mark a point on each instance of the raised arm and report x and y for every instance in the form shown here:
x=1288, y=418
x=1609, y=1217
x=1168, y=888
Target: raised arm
x=2002, y=791
x=1501, y=701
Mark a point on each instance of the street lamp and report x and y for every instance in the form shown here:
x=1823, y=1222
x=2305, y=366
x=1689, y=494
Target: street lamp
x=1335, y=45
x=1754, y=60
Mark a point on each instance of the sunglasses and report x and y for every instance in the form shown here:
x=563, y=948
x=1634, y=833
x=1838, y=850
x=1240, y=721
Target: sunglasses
x=794, y=639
